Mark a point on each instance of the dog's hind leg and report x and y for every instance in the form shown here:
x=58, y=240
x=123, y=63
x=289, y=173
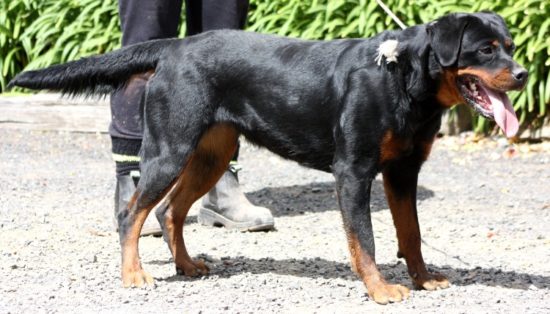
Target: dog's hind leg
x=130, y=221
x=203, y=169
x=174, y=161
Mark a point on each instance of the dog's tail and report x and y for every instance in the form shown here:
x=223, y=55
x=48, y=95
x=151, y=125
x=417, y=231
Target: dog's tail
x=101, y=74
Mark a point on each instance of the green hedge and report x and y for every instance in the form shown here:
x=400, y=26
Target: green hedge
x=35, y=34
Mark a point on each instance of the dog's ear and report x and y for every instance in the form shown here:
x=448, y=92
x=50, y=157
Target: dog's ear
x=446, y=37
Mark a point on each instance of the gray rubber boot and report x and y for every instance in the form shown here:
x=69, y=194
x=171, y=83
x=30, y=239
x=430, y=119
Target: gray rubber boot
x=125, y=188
x=226, y=205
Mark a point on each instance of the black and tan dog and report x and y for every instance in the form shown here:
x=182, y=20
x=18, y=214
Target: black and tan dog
x=352, y=107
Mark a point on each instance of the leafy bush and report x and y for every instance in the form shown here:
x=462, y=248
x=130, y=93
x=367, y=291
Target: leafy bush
x=15, y=17
x=54, y=31
x=39, y=33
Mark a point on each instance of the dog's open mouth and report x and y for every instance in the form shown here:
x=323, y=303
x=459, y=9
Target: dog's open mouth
x=490, y=103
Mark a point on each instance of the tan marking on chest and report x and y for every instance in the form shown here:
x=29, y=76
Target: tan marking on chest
x=392, y=147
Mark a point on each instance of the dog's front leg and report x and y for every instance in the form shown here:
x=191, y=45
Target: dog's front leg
x=400, y=183
x=353, y=185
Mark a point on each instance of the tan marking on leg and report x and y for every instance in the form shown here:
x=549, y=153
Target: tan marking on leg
x=132, y=273
x=408, y=234
x=364, y=265
x=206, y=165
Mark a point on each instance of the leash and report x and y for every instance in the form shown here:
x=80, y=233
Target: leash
x=390, y=13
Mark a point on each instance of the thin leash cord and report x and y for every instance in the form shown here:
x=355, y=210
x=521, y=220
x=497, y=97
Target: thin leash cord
x=390, y=13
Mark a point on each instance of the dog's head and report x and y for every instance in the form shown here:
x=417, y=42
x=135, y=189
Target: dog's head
x=475, y=53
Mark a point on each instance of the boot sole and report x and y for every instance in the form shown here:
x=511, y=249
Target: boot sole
x=209, y=217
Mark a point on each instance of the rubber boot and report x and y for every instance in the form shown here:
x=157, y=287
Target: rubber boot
x=226, y=205
x=125, y=188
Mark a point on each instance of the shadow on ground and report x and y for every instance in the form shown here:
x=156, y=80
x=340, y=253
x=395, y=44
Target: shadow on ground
x=320, y=197
x=396, y=273
x=316, y=197
x=296, y=200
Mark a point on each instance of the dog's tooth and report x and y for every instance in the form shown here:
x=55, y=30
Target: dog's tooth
x=473, y=86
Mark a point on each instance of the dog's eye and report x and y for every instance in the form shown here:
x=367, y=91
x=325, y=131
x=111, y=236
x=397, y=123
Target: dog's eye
x=487, y=50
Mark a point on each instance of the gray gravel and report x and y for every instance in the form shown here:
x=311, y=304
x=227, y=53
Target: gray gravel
x=484, y=220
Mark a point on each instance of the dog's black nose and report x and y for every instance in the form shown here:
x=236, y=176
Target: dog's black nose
x=520, y=75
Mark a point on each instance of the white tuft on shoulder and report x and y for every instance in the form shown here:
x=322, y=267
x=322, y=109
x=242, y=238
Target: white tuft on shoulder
x=387, y=49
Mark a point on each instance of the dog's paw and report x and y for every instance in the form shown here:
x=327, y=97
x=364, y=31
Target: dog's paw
x=432, y=281
x=384, y=293
x=192, y=268
x=137, y=278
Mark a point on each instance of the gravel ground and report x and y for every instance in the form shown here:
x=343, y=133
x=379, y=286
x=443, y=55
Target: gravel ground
x=483, y=213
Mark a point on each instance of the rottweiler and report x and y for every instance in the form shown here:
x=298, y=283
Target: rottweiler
x=352, y=107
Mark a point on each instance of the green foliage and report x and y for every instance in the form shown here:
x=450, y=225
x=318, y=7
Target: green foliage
x=35, y=34
x=15, y=17
x=66, y=30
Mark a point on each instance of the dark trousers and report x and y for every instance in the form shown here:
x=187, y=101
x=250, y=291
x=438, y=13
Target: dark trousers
x=153, y=19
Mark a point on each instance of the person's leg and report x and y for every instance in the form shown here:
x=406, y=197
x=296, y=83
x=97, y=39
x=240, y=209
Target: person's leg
x=225, y=204
x=140, y=21
x=146, y=20
x=193, y=17
x=206, y=15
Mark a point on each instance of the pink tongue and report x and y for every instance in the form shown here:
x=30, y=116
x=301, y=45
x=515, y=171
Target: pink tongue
x=503, y=112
